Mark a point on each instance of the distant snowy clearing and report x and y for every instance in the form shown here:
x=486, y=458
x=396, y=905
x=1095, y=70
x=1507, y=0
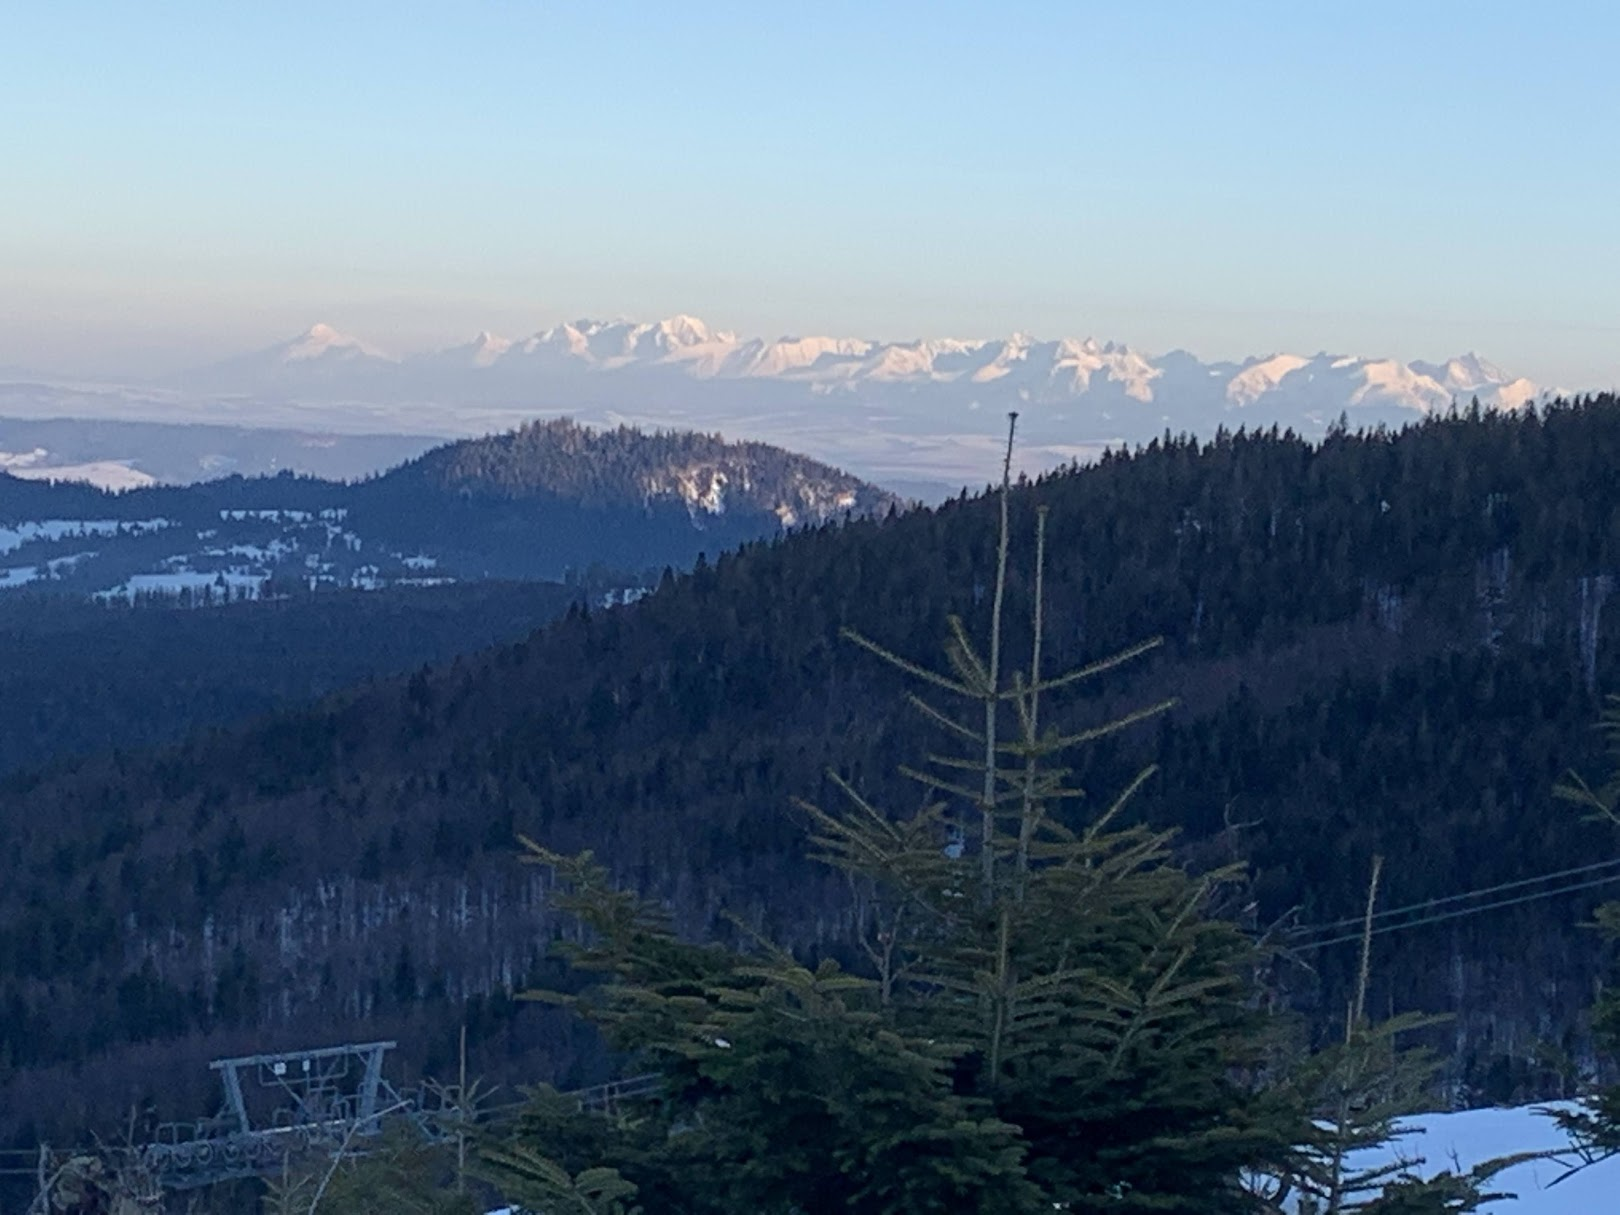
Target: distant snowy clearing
x=19, y=534
x=103, y=474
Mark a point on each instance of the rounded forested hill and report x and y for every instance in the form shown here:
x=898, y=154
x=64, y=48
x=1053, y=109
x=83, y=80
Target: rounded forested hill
x=553, y=497
x=550, y=502
x=627, y=466
x=1384, y=645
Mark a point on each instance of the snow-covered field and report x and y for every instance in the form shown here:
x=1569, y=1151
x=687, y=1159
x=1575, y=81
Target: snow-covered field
x=231, y=559
x=19, y=534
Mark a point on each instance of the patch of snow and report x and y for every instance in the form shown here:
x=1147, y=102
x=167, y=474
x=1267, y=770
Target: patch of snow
x=1257, y=379
x=321, y=340
x=19, y=534
x=103, y=474
x=234, y=582
x=57, y=564
x=269, y=516
x=487, y=348
x=1462, y=1140
x=273, y=551
x=714, y=501
x=624, y=595
x=11, y=461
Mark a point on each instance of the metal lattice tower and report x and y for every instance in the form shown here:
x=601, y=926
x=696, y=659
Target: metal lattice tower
x=276, y=1105
x=331, y=1100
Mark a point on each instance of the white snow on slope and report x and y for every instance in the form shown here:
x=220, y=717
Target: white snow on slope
x=36, y=465
x=18, y=534
x=228, y=582
x=1461, y=1141
x=321, y=341
x=103, y=474
x=1261, y=377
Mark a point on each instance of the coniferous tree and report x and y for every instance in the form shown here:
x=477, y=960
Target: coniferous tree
x=1353, y=1158
x=1099, y=1007
x=402, y=1173
x=1057, y=1019
x=1594, y=1125
x=782, y=1090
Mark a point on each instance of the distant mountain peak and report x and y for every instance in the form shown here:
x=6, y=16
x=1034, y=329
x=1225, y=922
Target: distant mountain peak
x=687, y=330
x=320, y=340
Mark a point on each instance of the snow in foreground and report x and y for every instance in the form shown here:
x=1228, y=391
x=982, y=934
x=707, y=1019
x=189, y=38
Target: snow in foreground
x=1460, y=1141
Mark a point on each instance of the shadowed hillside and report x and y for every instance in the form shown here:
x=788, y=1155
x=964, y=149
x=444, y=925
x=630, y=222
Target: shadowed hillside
x=1389, y=644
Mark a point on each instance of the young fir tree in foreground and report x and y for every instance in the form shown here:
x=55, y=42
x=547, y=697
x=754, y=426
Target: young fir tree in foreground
x=1055, y=1018
x=1354, y=1158
x=1594, y=1125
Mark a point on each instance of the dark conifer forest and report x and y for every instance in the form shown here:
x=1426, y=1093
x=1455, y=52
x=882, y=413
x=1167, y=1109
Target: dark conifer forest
x=1384, y=644
x=79, y=679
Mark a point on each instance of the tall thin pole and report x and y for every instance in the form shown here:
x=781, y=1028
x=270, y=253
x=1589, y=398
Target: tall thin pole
x=1032, y=725
x=461, y=1116
x=1365, y=972
x=1354, y=1023
x=992, y=695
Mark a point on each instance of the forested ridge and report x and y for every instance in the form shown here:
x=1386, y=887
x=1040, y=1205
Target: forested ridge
x=1384, y=644
x=548, y=501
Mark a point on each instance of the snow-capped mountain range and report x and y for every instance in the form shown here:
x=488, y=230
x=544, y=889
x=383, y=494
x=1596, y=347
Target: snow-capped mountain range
x=1012, y=370
x=915, y=415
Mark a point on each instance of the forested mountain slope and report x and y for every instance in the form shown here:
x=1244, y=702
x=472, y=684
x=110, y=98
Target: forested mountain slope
x=1384, y=644
x=542, y=502
x=90, y=663
x=78, y=679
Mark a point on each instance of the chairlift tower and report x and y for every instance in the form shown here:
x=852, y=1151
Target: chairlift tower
x=276, y=1105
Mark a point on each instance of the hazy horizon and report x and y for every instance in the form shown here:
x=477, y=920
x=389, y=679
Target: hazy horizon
x=403, y=345
x=1394, y=181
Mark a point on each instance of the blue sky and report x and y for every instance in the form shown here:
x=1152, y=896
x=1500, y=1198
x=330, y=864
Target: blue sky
x=179, y=181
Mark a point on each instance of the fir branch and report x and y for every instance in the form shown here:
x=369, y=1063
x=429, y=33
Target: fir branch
x=905, y=664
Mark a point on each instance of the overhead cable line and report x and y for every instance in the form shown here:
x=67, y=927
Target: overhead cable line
x=1462, y=912
x=1429, y=904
